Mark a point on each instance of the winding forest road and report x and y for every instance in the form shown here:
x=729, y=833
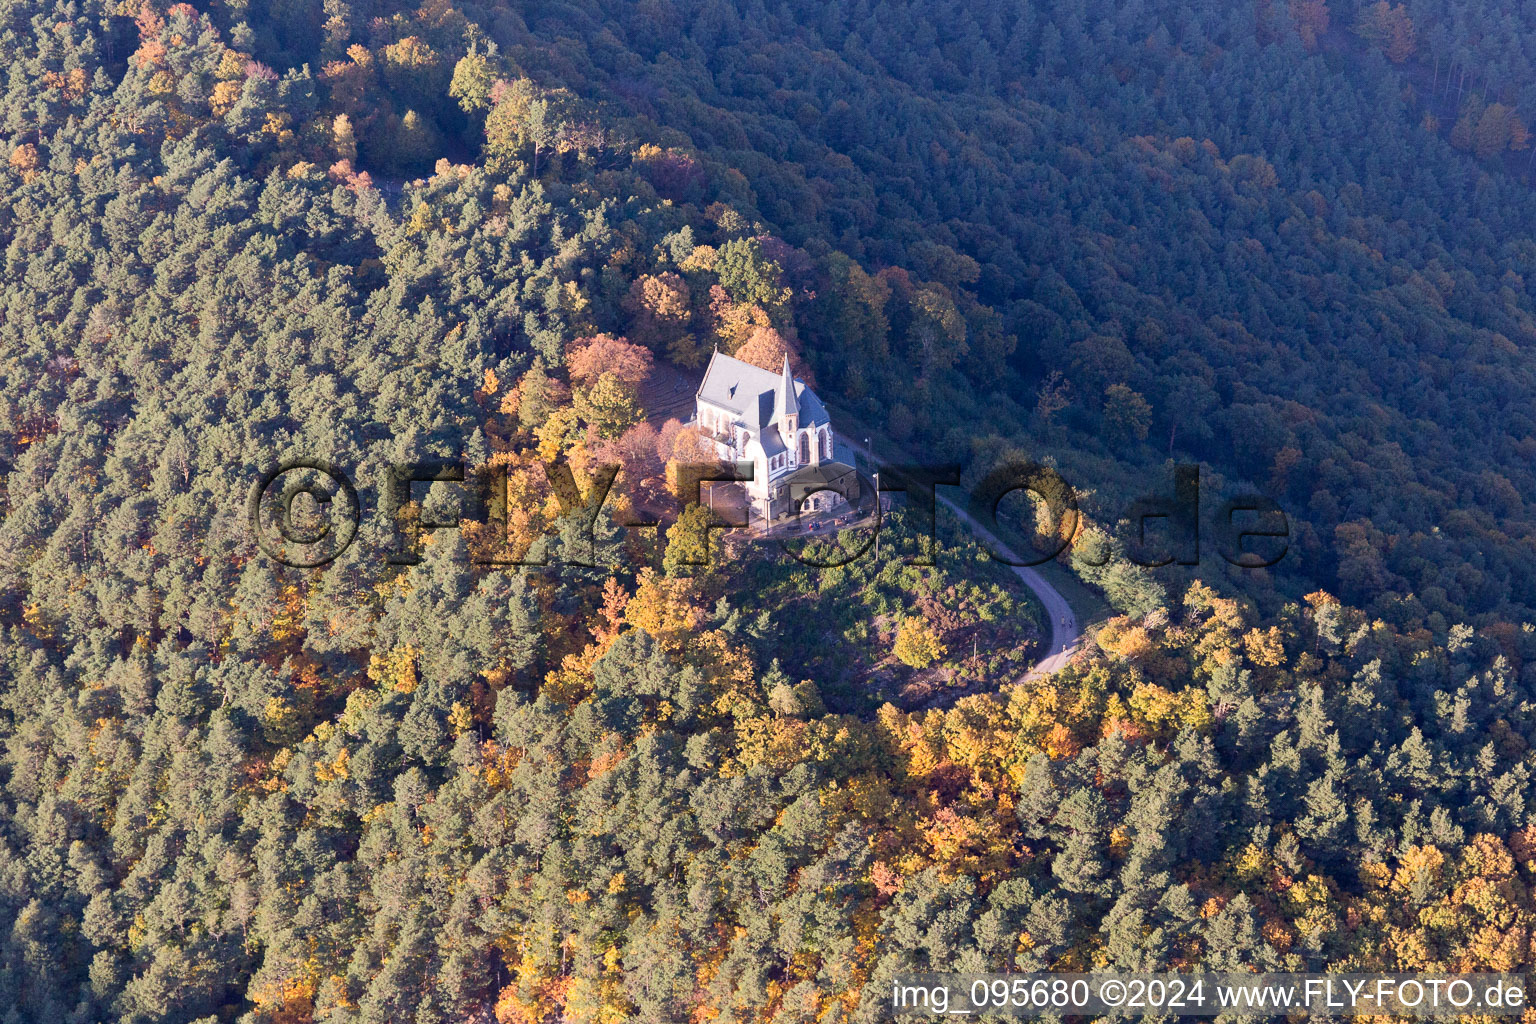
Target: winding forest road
x=1066, y=632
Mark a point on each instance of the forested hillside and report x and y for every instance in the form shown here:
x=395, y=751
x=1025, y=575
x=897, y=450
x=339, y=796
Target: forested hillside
x=627, y=786
x=1303, y=278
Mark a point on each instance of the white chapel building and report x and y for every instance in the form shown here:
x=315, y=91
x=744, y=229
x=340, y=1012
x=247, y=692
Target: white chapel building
x=779, y=425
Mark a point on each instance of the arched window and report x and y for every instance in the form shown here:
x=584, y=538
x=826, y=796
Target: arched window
x=805, y=447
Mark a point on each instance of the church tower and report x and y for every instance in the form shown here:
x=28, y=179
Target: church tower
x=789, y=407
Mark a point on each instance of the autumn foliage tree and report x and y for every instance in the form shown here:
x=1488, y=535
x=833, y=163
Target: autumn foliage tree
x=1311, y=18
x=589, y=358
x=766, y=348
x=1388, y=27
x=917, y=643
x=660, y=306
x=609, y=404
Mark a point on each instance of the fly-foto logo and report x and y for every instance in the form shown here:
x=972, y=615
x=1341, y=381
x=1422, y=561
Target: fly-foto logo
x=306, y=512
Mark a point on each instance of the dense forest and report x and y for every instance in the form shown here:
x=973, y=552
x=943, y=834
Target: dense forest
x=643, y=779
x=1199, y=232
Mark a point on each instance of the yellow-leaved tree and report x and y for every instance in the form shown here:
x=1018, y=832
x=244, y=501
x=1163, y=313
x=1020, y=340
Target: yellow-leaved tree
x=917, y=643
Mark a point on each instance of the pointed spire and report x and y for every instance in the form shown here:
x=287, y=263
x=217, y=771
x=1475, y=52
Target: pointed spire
x=789, y=403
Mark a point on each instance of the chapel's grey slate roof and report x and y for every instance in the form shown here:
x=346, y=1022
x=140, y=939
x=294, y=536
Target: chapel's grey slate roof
x=735, y=385
x=812, y=412
x=750, y=392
